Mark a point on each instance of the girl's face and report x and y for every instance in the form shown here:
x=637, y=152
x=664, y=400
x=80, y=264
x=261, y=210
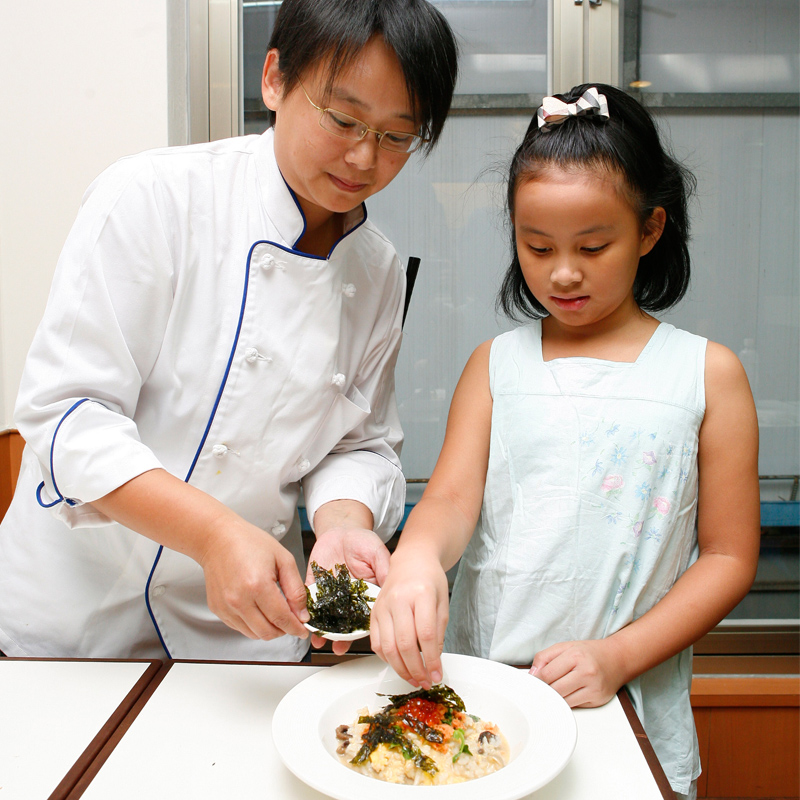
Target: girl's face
x=579, y=242
x=329, y=174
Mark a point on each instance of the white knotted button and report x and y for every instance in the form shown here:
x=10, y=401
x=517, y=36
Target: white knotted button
x=252, y=355
x=158, y=590
x=303, y=465
x=278, y=529
x=349, y=289
x=267, y=261
x=338, y=380
x=220, y=450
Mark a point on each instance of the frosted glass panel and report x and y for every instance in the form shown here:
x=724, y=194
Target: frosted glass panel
x=448, y=212
x=503, y=45
x=746, y=259
x=745, y=254
x=720, y=45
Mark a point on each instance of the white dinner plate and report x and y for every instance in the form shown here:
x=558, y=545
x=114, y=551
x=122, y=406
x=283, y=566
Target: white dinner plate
x=537, y=722
x=373, y=591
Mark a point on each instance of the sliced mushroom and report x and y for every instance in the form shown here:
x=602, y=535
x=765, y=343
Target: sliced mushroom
x=341, y=733
x=344, y=738
x=485, y=736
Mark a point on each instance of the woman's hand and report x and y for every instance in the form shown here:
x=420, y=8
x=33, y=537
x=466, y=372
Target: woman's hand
x=252, y=583
x=360, y=549
x=585, y=673
x=409, y=619
x=345, y=536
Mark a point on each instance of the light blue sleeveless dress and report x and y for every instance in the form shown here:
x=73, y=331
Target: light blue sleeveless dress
x=588, y=514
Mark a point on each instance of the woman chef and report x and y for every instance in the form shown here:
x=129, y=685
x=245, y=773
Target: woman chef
x=222, y=329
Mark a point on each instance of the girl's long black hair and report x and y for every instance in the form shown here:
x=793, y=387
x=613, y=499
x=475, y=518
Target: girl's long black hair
x=626, y=144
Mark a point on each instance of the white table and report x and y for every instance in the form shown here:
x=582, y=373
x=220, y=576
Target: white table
x=205, y=732
x=56, y=715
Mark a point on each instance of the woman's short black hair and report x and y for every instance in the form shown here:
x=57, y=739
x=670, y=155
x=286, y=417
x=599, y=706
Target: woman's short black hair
x=626, y=144
x=308, y=31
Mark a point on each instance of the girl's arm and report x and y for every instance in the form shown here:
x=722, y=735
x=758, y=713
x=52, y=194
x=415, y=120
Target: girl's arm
x=589, y=673
x=411, y=612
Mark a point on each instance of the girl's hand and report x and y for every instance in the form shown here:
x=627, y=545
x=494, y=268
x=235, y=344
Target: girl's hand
x=409, y=618
x=585, y=673
x=364, y=554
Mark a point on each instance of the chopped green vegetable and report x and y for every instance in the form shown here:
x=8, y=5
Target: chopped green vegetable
x=458, y=736
x=341, y=605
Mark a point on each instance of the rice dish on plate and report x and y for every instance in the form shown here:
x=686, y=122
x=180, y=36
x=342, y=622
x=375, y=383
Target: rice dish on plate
x=422, y=738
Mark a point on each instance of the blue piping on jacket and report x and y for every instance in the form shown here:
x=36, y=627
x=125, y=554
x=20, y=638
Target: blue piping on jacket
x=294, y=251
x=60, y=498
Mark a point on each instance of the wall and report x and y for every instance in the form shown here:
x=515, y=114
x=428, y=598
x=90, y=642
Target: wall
x=83, y=84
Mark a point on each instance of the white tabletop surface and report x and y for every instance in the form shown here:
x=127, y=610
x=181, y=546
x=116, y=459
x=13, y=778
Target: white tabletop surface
x=50, y=711
x=206, y=733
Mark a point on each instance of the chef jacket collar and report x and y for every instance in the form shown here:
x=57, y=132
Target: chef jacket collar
x=280, y=201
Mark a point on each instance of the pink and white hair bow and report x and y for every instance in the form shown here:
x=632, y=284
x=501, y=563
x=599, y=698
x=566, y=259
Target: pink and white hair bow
x=554, y=111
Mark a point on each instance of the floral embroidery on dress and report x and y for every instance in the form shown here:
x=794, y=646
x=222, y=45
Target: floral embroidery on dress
x=618, y=596
x=613, y=485
x=643, y=490
x=649, y=458
x=613, y=430
x=653, y=535
x=662, y=505
x=620, y=455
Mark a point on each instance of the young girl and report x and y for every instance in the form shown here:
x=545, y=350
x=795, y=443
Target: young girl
x=222, y=330
x=608, y=459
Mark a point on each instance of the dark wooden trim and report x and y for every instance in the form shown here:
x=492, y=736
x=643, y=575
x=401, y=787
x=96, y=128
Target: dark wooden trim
x=115, y=732
x=760, y=692
x=644, y=743
x=11, y=445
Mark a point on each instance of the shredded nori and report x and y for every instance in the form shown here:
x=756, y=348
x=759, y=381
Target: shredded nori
x=341, y=602
x=436, y=694
x=384, y=727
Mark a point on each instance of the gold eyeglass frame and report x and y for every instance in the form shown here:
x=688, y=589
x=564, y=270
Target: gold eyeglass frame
x=417, y=143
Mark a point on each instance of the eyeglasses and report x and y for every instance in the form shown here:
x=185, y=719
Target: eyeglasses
x=340, y=124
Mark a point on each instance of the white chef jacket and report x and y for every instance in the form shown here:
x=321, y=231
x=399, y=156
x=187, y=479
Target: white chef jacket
x=184, y=331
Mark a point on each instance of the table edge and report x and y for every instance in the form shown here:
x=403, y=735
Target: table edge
x=100, y=749
x=645, y=745
x=87, y=757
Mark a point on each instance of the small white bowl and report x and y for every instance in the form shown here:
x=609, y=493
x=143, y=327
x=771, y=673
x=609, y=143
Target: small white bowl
x=373, y=592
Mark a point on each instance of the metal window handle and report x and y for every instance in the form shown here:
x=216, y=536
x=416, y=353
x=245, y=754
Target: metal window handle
x=591, y=2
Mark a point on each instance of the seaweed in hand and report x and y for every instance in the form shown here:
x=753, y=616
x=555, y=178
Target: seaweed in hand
x=341, y=605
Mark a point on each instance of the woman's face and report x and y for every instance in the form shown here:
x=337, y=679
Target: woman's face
x=329, y=174
x=579, y=242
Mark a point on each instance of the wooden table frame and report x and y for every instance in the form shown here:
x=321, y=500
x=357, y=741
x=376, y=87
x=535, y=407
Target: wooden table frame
x=86, y=760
